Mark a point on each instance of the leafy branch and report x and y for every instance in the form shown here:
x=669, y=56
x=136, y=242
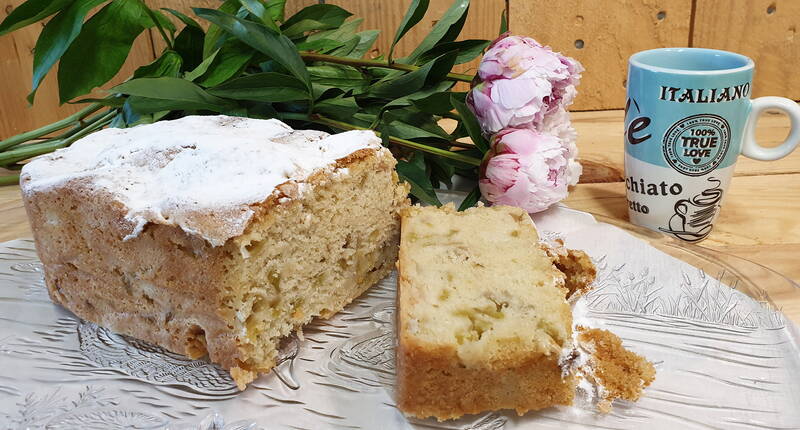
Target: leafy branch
x=312, y=56
x=311, y=69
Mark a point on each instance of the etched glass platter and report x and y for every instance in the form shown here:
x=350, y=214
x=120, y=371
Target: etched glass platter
x=726, y=356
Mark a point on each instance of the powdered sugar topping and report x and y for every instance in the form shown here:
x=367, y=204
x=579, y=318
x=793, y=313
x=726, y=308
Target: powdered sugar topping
x=177, y=172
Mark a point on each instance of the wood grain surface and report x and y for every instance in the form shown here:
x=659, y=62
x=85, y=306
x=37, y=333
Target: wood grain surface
x=764, y=30
x=602, y=35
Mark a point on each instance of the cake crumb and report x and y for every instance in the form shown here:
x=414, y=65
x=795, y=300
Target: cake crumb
x=619, y=372
x=576, y=265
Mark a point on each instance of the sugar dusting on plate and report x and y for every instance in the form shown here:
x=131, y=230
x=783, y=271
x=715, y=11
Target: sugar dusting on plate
x=188, y=171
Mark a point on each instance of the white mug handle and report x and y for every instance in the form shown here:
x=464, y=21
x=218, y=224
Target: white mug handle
x=751, y=148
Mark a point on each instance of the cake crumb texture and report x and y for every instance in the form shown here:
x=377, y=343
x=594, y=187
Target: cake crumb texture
x=483, y=316
x=576, y=265
x=619, y=372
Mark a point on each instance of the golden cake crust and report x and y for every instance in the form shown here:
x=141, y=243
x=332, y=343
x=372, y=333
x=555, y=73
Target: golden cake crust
x=168, y=286
x=433, y=382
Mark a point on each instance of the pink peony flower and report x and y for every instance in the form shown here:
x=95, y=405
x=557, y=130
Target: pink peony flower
x=526, y=169
x=521, y=83
x=559, y=125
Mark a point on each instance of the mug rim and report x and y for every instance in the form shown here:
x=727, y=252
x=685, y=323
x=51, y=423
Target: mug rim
x=636, y=61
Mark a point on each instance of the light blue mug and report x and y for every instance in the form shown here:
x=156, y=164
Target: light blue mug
x=688, y=117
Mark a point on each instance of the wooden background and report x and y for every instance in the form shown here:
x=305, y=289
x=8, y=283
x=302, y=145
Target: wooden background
x=601, y=34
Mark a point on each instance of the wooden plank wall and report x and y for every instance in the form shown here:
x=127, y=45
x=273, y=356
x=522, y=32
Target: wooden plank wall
x=601, y=34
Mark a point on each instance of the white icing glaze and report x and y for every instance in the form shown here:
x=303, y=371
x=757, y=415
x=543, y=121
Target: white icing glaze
x=172, y=172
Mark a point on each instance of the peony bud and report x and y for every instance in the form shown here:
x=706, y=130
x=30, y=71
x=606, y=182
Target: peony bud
x=521, y=83
x=526, y=169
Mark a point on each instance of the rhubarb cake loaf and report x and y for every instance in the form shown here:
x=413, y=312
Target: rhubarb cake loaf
x=482, y=317
x=214, y=235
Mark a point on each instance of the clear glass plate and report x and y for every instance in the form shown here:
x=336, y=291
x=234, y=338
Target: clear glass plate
x=726, y=358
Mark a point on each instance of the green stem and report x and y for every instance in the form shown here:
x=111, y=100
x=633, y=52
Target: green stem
x=360, y=62
x=27, y=151
x=319, y=119
x=167, y=40
x=9, y=180
x=153, y=17
x=50, y=128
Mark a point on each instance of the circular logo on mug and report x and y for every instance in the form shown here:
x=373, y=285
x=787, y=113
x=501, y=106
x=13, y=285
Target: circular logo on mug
x=697, y=144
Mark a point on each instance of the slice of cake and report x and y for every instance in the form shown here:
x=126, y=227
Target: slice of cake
x=214, y=235
x=482, y=317
x=484, y=321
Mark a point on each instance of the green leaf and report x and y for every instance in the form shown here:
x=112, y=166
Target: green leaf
x=276, y=9
x=504, y=21
x=413, y=172
x=160, y=20
x=168, y=64
x=257, y=9
x=433, y=71
x=183, y=17
x=114, y=101
x=314, y=17
x=230, y=60
x=342, y=34
x=407, y=131
x=167, y=93
x=366, y=40
x=347, y=48
x=339, y=108
x=202, y=68
x=277, y=47
x=471, y=199
x=215, y=35
x=189, y=44
x=436, y=103
x=469, y=121
x=467, y=50
x=441, y=87
x=141, y=110
x=31, y=11
x=101, y=48
x=56, y=37
x=321, y=46
x=262, y=87
x=441, y=170
x=321, y=90
x=339, y=76
x=362, y=119
x=445, y=30
x=411, y=124
x=416, y=10
x=162, y=24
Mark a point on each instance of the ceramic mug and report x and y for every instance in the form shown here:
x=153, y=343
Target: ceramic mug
x=688, y=117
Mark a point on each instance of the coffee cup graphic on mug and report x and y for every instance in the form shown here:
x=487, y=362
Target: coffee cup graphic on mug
x=688, y=117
